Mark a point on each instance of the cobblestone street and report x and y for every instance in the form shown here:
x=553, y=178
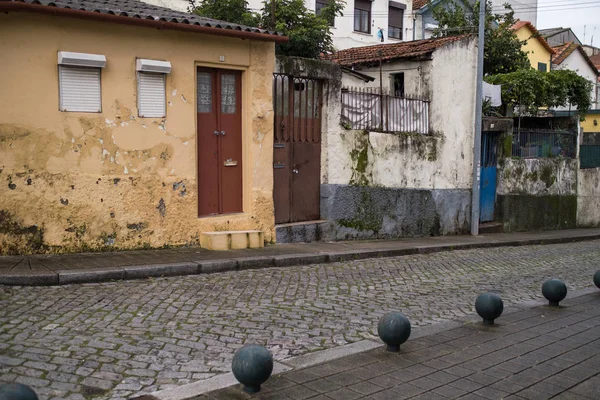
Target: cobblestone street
x=114, y=340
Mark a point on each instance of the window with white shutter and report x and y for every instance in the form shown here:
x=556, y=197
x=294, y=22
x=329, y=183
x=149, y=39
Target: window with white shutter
x=79, y=89
x=79, y=81
x=151, y=95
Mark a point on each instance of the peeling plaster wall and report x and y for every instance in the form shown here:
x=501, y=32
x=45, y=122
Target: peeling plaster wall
x=403, y=184
x=441, y=160
x=111, y=180
x=537, y=194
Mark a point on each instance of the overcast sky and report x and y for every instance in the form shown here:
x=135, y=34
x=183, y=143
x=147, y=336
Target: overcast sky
x=553, y=14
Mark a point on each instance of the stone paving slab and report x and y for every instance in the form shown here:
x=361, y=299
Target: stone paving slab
x=541, y=353
x=37, y=270
x=119, y=339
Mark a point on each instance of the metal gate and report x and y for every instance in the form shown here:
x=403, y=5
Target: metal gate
x=489, y=157
x=297, y=148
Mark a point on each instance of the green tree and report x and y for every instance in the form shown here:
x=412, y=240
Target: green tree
x=234, y=11
x=530, y=89
x=309, y=33
x=502, y=50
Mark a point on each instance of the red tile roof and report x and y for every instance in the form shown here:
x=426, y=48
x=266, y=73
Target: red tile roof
x=388, y=52
x=418, y=4
x=520, y=24
x=565, y=50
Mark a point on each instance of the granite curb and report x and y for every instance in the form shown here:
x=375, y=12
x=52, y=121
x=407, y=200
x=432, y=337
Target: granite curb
x=107, y=274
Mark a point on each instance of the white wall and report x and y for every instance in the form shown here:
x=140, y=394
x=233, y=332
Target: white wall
x=441, y=160
x=179, y=5
x=576, y=62
x=525, y=10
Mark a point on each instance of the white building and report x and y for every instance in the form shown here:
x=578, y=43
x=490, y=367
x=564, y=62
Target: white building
x=179, y=5
x=571, y=56
x=525, y=10
x=424, y=23
x=363, y=23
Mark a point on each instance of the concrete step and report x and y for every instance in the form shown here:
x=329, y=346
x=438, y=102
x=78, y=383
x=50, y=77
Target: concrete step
x=231, y=240
x=491, y=227
x=303, y=232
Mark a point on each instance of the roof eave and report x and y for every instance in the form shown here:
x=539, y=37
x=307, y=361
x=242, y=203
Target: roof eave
x=149, y=23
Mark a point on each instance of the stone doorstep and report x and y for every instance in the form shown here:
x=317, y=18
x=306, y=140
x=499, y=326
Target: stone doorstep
x=225, y=380
x=231, y=240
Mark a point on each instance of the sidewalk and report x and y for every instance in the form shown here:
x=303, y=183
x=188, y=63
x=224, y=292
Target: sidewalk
x=100, y=267
x=532, y=353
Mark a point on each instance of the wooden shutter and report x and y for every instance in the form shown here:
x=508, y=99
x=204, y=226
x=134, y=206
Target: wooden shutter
x=151, y=95
x=79, y=89
x=362, y=5
x=395, y=17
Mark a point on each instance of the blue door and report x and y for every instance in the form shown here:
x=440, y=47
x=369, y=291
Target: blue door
x=487, y=198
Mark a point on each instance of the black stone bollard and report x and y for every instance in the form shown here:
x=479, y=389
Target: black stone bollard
x=489, y=306
x=394, y=329
x=554, y=290
x=597, y=278
x=17, y=391
x=252, y=365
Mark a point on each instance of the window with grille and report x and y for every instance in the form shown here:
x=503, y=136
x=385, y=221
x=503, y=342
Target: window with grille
x=362, y=16
x=395, y=18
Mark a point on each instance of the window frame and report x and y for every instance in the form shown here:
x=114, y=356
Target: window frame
x=390, y=25
x=61, y=107
x=360, y=12
x=545, y=67
x=319, y=4
x=139, y=97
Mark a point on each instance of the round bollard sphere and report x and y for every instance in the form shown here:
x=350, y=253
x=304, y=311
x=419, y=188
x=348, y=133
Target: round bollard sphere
x=597, y=278
x=252, y=366
x=554, y=290
x=489, y=306
x=17, y=391
x=394, y=329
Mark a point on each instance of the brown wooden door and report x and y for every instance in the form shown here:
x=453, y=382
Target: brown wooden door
x=297, y=149
x=219, y=141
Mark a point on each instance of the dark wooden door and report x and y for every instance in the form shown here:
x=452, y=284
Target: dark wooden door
x=297, y=149
x=219, y=110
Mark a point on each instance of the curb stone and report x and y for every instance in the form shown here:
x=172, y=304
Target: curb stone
x=96, y=275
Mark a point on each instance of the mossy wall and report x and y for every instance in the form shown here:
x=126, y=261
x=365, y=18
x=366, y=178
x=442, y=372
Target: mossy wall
x=524, y=212
x=537, y=194
x=363, y=212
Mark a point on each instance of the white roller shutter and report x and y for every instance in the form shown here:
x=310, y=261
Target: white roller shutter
x=151, y=95
x=79, y=89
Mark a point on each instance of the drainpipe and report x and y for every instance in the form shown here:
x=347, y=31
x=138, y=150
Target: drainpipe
x=414, y=18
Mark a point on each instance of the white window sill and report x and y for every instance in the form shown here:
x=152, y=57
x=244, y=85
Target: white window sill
x=362, y=33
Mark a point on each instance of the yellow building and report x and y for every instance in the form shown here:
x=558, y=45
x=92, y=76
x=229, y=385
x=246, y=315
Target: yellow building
x=538, y=50
x=129, y=128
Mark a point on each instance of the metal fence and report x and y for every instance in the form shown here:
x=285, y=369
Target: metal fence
x=366, y=108
x=589, y=156
x=543, y=143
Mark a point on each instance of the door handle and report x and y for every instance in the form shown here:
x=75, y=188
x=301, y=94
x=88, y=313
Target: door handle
x=295, y=171
x=216, y=133
x=222, y=133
